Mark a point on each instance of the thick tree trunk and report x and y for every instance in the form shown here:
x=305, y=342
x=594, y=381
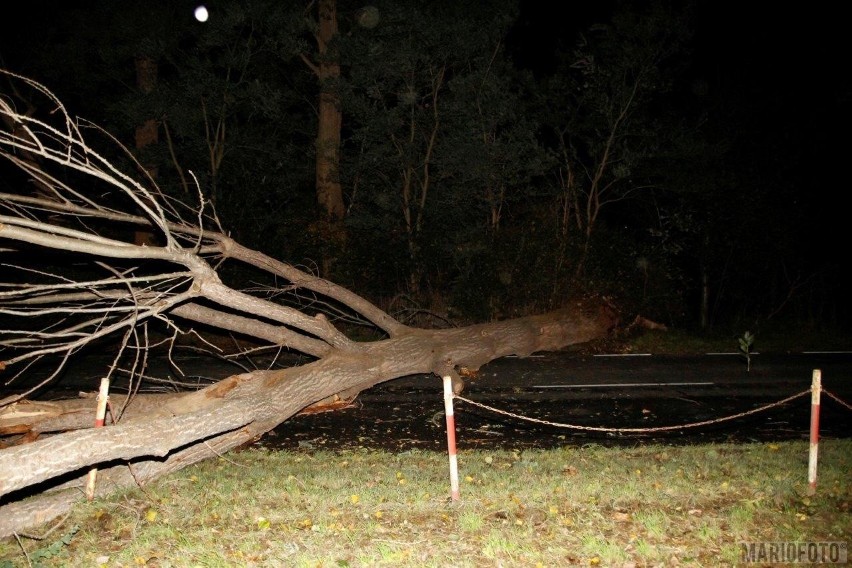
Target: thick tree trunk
x=241, y=408
x=330, y=119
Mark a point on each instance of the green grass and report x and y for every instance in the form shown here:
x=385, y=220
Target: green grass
x=571, y=506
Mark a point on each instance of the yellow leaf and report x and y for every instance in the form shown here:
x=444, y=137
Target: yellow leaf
x=263, y=523
x=620, y=517
x=774, y=447
x=594, y=561
x=468, y=478
x=150, y=515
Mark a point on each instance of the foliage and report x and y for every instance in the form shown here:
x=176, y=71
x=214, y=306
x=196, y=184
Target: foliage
x=41, y=556
x=745, y=343
x=622, y=170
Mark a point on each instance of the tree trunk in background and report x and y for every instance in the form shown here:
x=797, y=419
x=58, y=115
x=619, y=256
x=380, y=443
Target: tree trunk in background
x=147, y=133
x=329, y=191
x=705, y=297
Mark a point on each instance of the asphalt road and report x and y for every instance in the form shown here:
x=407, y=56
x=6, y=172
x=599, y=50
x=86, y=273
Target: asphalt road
x=553, y=398
x=570, y=376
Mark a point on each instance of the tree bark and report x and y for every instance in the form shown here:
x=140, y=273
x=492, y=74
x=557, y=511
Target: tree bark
x=239, y=409
x=330, y=120
x=147, y=133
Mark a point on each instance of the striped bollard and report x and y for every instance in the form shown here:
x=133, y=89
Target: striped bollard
x=816, y=387
x=451, y=437
x=100, y=415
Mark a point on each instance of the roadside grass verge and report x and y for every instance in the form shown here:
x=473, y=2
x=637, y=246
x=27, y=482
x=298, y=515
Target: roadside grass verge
x=573, y=506
x=781, y=339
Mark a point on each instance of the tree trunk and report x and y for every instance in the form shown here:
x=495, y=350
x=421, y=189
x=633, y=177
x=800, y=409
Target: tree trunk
x=147, y=133
x=180, y=430
x=329, y=191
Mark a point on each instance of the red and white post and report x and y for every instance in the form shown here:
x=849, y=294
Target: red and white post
x=816, y=388
x=100, y=415
x=451, y=437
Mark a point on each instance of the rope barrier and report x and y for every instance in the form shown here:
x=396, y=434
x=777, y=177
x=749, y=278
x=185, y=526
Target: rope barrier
x=814, y=391
x=638, y=430
x=835, y=397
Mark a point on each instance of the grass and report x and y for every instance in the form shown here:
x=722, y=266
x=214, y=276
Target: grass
x=585, y=506
x=790, y=339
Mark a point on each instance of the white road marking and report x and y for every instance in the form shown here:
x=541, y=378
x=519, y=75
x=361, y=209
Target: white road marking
x=605, y=385
x=740, y=354
x=622, y=355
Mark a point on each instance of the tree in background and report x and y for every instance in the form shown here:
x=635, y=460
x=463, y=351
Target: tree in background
x=435, y=81
x=604, y=104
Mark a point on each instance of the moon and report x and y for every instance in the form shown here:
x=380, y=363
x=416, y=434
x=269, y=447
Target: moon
x=201, y=13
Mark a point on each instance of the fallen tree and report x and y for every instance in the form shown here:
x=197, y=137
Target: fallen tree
x=72, y=276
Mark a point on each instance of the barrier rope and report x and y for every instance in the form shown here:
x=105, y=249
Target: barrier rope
x=835, y=397
x=640, y=430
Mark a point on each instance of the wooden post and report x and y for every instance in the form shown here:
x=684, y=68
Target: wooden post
x=451, y=437
x=100, y=414
x=816, y=387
